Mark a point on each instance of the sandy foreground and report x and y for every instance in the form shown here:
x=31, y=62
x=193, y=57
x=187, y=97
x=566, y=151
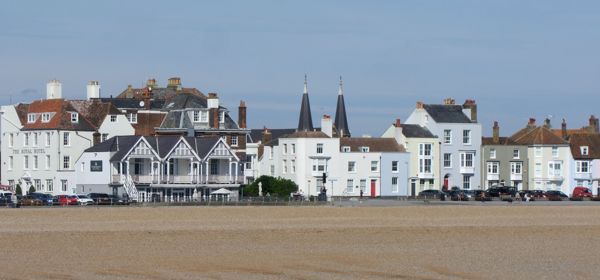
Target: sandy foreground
x=421, y=242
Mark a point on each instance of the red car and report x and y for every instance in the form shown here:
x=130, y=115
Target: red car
x=63, y=199
x=582, y=192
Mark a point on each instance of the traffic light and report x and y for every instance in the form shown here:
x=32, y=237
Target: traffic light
x=324, y=178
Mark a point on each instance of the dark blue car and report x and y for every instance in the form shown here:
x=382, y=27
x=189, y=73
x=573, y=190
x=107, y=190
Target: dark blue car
x=44, y=197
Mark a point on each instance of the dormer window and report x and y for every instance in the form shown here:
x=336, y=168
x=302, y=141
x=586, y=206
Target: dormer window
x=346, y=149
x=132, y=117
x=74, y=117
x=30, y=118
x=585, y=150
x=45, y=117
x=364, y=149
x=196, y=116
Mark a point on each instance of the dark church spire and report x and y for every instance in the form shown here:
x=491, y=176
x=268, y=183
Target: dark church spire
x=305, y=120
x=341, y=122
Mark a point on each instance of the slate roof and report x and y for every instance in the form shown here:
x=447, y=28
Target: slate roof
x=162, y=145
x=374, y=144
x=446, y=113
x=157, y=92
x=592, y=141
x=341, y=121
x=488, y=141
x=276, y=133
x=306, y=134
x=305, y=119
x=130, y=103
x=416, y=131
x=539, y=135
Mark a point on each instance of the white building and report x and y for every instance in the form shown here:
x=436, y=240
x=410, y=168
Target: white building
x=41, y=141
x=459, y=132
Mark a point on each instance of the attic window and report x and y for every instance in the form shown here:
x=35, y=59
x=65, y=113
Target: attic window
x=132, y=117
x=196, y=116
x=30, y=118
x=585, y=150
x=45, y=117
x=346, y=149
x=222, y=117
x=113, y=118
x=74, y=117
x=364, y=149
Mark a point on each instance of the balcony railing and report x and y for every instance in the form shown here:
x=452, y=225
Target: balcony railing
x=467, y=170
x=583, y=176
x=181, y=179
x=425, y=175
x=516, y=177
x=493, y=177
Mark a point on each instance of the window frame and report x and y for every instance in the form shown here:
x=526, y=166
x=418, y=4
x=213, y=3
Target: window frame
x=466, y=137
x=447, y=136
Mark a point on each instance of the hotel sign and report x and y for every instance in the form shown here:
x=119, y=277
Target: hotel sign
x=96, y=166
x=29, y=151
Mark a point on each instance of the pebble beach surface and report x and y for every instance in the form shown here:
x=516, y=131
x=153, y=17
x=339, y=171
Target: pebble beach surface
x=410, y=242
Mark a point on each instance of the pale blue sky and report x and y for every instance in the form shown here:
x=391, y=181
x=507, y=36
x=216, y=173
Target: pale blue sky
x=517, y=59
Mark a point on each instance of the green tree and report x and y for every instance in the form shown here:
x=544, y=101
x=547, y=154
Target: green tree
x=279, y=187
x=18, y=190
x=31, y=189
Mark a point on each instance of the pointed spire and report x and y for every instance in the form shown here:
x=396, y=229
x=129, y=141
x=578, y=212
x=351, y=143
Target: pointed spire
x=305, y=85
x=305, y=120
x=341, y=122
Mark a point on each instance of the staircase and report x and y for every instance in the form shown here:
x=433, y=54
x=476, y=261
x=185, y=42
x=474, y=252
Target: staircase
x=130, y=188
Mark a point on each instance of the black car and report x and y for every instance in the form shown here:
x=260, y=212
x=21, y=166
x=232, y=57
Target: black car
x=116, y=200
x=100, y=198
x=556, y=195
x=501, y=190
x=431, y=193
x=458, y=195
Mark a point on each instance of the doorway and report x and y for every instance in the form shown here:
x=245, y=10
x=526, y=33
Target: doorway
x=373, y=187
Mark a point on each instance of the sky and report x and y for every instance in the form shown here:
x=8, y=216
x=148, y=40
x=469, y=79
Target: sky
x=517, y=59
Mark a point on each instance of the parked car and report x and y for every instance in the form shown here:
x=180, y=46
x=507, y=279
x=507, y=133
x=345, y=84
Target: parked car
x=556, y=195
x=582, y=192
x=458, y=195
x=497, y=191
x=30, y=200
x=44, y=197
x=64, y=199
x=431, y=193
x=83, y=199
x=100, y=198
x=115, y=200
x=8, y=199
x=481, y=195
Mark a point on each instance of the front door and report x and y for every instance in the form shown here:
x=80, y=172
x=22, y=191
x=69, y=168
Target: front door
x=373, y=187
x=413, y=187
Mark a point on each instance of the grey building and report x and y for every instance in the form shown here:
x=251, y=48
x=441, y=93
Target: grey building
x=504, y=161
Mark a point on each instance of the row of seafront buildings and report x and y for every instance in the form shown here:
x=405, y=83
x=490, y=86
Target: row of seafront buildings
x=177, y=142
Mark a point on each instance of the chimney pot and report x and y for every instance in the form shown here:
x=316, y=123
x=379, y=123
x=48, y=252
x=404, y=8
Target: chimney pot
x=563, y=129
x=397, y=124
x=496, y=133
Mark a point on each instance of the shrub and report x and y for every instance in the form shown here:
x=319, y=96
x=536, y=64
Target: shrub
x=18, y=190
x=279, y=187
x=31, y=189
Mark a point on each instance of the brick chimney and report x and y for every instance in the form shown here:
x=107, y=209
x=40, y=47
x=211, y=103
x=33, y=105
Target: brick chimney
x=593, y=126
x=151, y=83
x=419, y=105
x=531, y=123
x=449, y=101
x=496, y=133
x=214, y=117
x=96, y=138
x=563, y=129
x=266, y=136
x=470, y=109
x=547, y=123
x=398, y=131
x=174, y=83
x=242, y=115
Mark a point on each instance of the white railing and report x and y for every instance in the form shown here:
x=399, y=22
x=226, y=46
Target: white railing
x=425, y=175
x=130, y=188
x=467, y=170
x=516, y=177
x=493, y=177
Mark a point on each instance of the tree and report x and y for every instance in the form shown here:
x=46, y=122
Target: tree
x=18, y=190
x=279, y=187
x=31, y=189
